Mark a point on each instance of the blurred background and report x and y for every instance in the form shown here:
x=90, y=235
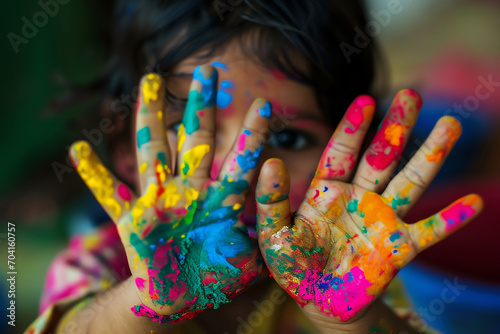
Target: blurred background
x=448, y=50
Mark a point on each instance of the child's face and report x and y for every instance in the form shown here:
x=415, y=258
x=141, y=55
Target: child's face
x=298, y=131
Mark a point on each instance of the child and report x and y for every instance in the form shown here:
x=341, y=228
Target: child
x=185, y=242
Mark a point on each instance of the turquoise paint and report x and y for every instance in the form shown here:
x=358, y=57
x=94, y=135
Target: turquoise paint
x=143, y=136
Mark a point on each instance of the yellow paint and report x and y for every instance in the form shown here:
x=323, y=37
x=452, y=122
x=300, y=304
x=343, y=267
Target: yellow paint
x=150, y=88
x=159, y=114
x=453, y=132
x=143, y=167
x=191, y=195
x=394, y=132
x=126, y=204
x=97, y=178
x=160, y=171
x=137, y=258
x=192, y=158
x=237, y=206
x=146, y=201
x=181, y=137
x=406, y=191
x=171, y=195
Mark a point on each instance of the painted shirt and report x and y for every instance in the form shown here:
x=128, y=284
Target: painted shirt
x=96, y=261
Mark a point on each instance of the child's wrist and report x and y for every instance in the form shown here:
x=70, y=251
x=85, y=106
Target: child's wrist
x=330, y=324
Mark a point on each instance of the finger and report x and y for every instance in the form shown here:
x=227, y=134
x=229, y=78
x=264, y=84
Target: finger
x=153, y=154
x=114, y=196
x=381, y=158
x=339, y=158
x=407, y=187
x=273, y=204
x=241, y=162
x=196, y=136
x=429, y=231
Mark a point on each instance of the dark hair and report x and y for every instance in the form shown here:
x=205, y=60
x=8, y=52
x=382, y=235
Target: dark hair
x=313, y=28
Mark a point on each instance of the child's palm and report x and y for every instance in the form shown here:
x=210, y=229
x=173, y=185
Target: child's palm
x=346, y=242
x=187, y=247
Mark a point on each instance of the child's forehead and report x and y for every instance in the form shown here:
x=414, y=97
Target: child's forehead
x=241, y=80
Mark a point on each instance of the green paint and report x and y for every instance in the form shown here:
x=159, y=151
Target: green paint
x=161, y=157
x=430, y=222
x=191, y=120
x=143, y=136
x=376, y=181
x=353, y=206
x=398, y=201
x=266, y=199
x=362, y=214
x=363, y=229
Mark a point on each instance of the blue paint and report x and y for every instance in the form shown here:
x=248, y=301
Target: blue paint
x=247, y=132
x=249, y=160
x=325, y=190
x=143, y=136
x=208, y=86
x=223, y=98
x=395, y=236
x=220, y=65
x=266, y=111
x=226, y=84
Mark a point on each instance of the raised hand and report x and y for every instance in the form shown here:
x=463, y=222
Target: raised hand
x=347, y=241
x=187, y=247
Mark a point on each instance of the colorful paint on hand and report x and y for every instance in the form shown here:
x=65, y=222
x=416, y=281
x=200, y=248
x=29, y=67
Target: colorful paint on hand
x=388, y=144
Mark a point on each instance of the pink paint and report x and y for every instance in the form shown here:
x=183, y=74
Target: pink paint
x=123, y=192
x=241, y=142
x=278, y=75
x=341, y=297
x=386, y=149
x=456, y=213
x=163, y=256
x=140, y=283
x=316, y=196
x=362, y=107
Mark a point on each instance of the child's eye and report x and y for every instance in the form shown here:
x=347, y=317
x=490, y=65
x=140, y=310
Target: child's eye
x=290, y=139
